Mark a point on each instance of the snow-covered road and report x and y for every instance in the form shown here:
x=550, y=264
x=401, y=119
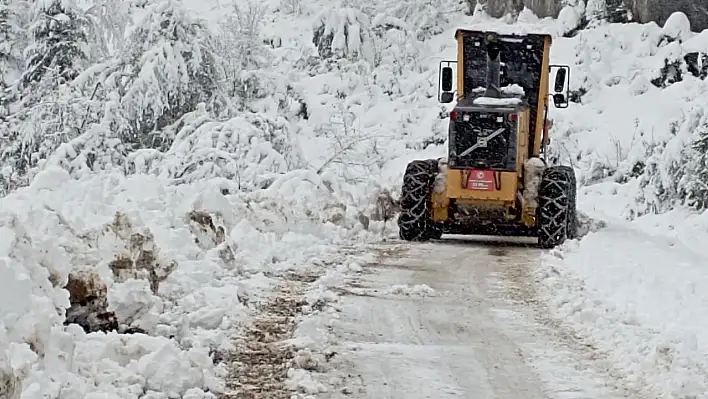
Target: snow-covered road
x=442, y=343
x=455, y=319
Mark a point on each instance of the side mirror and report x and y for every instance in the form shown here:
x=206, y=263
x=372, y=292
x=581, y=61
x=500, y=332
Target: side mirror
x=560, y=101
x=446, y=82
x=561, y=86
x=446, y=79
x=560, y=80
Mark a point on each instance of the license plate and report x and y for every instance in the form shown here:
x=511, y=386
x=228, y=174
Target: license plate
x=482, y=180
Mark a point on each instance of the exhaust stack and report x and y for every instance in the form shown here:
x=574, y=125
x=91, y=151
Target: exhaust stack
x=493, y=71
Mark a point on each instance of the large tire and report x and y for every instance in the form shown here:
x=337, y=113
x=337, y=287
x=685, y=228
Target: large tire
x=557, y=219
x=415, y=222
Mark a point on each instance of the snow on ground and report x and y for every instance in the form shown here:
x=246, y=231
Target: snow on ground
x=133, y=232
x=641, y=300
x=637, y=291
x=365, y=123
x=468, y=340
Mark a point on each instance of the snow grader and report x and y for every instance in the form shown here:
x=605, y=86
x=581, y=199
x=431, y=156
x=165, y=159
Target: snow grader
x=496, y=179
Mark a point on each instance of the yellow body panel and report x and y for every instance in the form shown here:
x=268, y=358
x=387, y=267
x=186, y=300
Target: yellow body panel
x=528, y=214
x=522, y=151
x=441, y=205
x=542, y=97
x=507, y=193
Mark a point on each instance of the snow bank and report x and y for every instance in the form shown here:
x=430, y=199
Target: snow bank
x=440, y=184
x=644, y=312
x=182, y=264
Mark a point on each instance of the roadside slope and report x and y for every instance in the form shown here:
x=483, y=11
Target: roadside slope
x=640, y=300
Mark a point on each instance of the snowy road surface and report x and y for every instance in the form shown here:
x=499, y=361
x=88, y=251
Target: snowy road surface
x=454, y=319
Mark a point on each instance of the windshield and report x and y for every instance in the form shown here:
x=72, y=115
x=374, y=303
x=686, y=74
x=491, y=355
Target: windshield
x=521, y=64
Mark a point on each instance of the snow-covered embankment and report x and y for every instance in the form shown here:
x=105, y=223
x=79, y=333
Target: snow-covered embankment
x=186, y=264
x=636, y=290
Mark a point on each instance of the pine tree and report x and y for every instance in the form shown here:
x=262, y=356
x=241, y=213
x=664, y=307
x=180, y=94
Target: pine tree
x=695, y=181
x=12, y=42
x=48, y=112
x=59, y=49
x=171, y=67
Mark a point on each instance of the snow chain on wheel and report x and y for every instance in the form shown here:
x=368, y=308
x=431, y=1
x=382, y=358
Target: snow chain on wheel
x=415, y=222
x=557, y=219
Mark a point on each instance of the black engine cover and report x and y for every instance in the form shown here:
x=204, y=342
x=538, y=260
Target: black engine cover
x=492, y=137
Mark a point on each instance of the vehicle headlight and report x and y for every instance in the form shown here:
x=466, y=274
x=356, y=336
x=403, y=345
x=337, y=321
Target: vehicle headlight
x=466, y=117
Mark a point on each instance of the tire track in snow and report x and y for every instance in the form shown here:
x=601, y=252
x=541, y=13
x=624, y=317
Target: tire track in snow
x=260, y=362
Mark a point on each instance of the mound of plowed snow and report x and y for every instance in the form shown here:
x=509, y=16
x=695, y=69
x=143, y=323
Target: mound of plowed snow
x=182, y=265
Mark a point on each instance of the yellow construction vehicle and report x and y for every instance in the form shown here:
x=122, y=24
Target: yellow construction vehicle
x=495, y=179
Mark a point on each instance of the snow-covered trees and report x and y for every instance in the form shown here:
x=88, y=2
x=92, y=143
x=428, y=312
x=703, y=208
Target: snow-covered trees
x=110, y=20
x=59, y=47
x=241, y=49
x=12, y=43
x=160, y=103
x=343, y=33
x=248, y=149
x=424, y=18
x=170, y=68
x=144, y=87
x=390, y=35
x=695, y=184
x=46, y=110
